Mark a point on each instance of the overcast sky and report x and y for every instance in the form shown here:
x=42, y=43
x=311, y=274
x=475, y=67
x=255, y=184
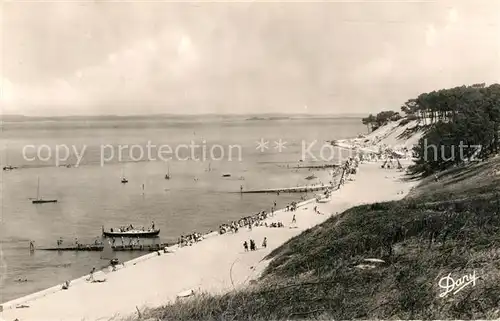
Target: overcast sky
x=77, y=58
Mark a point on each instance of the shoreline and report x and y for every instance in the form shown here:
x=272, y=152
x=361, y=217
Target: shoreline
x=11, y=304
x=52, y=287
x=181, y=261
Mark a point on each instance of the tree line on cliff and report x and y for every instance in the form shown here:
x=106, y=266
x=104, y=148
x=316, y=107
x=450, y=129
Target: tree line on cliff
x=460, y=123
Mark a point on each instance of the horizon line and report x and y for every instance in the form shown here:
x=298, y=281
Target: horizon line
x=182, y=115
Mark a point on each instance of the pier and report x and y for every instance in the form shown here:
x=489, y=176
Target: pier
x=98, y=248
x=317, y=166
x=298, y=189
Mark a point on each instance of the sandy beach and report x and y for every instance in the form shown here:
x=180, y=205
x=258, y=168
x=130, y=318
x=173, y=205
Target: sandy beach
x=216, y=264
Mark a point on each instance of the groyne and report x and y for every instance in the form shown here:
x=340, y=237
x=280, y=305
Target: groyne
x=98, y=248
x=298, y=189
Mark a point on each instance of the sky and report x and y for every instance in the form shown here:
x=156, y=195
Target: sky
x=149, y=57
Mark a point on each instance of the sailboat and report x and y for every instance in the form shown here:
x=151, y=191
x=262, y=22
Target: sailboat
x=168, y=173
x=124, y=180
x=39, y=200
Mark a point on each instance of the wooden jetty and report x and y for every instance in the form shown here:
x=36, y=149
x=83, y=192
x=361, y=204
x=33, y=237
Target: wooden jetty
x=98, y=248
x=325, y=166
x=299, y=189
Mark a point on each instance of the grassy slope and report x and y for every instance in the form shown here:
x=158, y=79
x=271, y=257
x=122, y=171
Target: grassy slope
x=450, y=226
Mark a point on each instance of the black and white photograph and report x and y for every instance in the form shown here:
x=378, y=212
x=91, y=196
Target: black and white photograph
x=249, y=160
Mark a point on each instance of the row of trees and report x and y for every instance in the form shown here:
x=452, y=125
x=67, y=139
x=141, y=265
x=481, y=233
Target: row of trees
x=462, y=116
x=382, y=118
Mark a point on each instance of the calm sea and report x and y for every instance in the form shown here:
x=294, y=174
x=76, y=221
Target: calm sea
x=196, y=198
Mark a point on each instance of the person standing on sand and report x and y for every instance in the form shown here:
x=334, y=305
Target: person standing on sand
x=264, y=243
x=252, y=245
x=91, y=277
x=245, y=245
x=293, y=219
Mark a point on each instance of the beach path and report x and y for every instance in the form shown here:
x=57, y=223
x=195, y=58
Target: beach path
x=217, y=264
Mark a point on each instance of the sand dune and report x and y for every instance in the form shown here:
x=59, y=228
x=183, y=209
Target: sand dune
x=216, y=264
x=390, y=135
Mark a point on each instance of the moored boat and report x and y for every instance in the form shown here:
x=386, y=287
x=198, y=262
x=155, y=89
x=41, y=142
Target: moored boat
x=43, y=201
x=124, y=180
x=131, y=233
x=167, y=176
x=38, y=199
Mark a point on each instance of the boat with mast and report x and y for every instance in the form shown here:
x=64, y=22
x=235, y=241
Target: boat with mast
x=38, y=199
x=168, y=172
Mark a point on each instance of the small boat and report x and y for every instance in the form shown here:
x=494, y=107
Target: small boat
x=124, y=180
x=131, y=233
x=39, y=200
x=167, y=176
x=226, y=175
x=311, y=177
x=43, y=201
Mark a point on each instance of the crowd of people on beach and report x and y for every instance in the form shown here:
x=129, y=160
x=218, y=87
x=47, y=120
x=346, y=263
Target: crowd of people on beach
x=124, y=229
x=190, y=239
x=234, y=226
x=256, y=220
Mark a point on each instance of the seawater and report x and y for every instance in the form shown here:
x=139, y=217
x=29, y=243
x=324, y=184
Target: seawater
x=91, y=195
